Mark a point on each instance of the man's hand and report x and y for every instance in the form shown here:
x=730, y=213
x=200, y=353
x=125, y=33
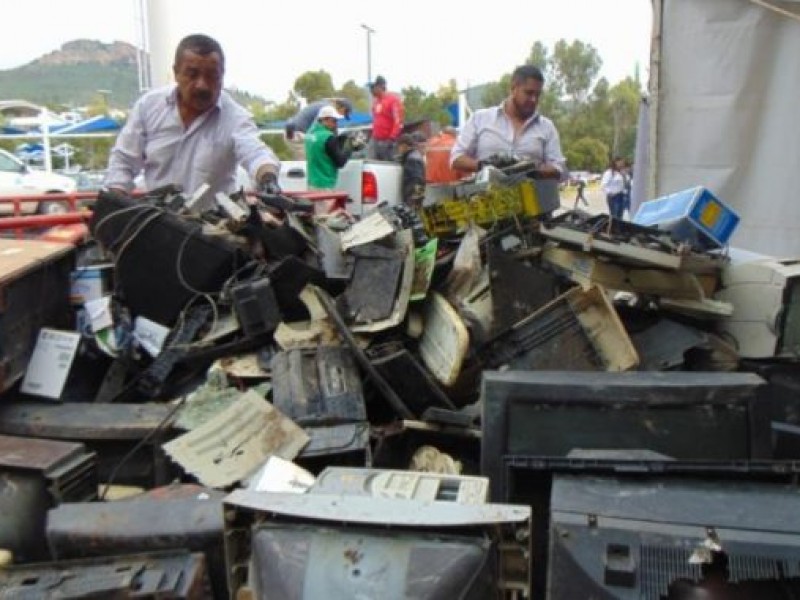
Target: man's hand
x=269, y=184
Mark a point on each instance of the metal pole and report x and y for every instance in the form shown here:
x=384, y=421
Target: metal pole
x=369, y=31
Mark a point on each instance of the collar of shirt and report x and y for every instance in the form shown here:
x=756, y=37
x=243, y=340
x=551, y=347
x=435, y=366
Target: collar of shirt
x=501, y=110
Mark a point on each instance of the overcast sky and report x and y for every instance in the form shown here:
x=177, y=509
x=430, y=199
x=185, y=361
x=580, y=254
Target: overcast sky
x=416, y=42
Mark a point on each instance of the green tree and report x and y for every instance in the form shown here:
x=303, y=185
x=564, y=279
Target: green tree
x=356, y=94
x=587, y=154
x=314, y=85
x=575, y=67
x=448, y=93
x=496, y=92
x=624, y=100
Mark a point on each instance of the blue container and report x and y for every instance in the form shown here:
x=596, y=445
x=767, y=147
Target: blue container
x=694, y=216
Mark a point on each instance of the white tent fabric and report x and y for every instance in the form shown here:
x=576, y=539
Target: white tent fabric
x=727, y=112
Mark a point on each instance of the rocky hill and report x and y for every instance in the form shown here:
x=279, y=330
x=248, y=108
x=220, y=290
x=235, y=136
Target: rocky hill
x=73, y=74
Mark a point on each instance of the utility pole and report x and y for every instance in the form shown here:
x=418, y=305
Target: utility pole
x=369, y=31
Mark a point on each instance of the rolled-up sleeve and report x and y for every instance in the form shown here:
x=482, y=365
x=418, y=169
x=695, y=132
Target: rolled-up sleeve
x=251, y=152
x=127, y=155
x=466, y=143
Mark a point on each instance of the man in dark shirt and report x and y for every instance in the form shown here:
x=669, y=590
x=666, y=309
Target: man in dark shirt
x=413, y=188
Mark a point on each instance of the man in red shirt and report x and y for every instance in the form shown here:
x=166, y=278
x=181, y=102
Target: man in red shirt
x=387, y=121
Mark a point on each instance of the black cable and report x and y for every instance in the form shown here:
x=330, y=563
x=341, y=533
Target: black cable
x=139, y=445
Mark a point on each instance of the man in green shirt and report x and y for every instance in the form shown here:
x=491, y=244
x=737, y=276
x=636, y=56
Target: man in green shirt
x=326, y=152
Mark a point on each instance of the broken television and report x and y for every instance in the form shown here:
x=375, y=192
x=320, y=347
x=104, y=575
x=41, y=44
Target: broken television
x=623, y=538
x=295, y=548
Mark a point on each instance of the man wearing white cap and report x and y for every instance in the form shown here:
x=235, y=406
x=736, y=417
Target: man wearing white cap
x=326, y=152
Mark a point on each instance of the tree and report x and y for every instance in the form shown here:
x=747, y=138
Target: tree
x=356, y=94
x=624, y=102
x=314, y=85
x=496, y=92
x=575, y=67
x=587, y=154
x=421, y=106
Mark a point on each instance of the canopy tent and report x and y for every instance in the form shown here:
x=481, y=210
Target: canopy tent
x=91, y=125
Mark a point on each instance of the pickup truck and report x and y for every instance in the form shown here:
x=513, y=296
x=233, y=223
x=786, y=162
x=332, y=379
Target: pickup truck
x=367, y=182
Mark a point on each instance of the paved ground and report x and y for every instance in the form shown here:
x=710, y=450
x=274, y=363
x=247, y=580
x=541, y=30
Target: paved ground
x=596, y=198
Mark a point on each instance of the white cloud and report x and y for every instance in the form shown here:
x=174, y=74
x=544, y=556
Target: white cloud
x=417, y=42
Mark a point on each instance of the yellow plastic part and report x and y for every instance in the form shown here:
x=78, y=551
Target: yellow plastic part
x=498, y=203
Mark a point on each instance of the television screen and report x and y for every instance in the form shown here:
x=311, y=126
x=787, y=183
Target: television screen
x=304, y=562
x=285, y=546
x=672, y=540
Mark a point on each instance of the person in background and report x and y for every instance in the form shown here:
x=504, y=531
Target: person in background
x=579, y=195
x=387, y=121
x=326, y=152
x=627, y=173
x=514, y=128
x=613, y=185
x=437, y=157
x=192, y=132
x=409, y=156
x=306, y=117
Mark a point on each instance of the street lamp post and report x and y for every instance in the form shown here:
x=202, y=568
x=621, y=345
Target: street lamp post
x=369, y=31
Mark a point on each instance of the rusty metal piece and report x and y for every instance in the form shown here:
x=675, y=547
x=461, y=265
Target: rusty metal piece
x=175, y=575
x=170, y=518
x=110, y=430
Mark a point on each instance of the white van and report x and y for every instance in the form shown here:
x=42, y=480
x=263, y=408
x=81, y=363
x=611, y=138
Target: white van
x=18, y=179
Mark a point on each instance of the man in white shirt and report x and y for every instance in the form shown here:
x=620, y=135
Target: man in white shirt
x=192, y=132
x=514, y=128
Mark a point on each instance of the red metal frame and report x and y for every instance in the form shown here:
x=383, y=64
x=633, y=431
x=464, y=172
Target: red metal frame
x=20, y=222
x=71, y=199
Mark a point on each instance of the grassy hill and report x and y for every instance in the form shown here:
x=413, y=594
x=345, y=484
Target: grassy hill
x=71, y=76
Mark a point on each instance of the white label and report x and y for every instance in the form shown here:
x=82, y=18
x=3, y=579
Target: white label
x=50, y=364
x=150, y=335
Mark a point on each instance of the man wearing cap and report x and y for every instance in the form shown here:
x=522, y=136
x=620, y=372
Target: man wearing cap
x=326, y=152
x=387, y=121
x=307, y=116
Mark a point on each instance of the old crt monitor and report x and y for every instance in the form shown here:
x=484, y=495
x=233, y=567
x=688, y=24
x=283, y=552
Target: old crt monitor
x=340, y=546
x=683, y=415
x=673, y=539
x=765, y=293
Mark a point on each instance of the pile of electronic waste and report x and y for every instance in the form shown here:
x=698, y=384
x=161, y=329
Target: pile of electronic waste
x=483, y=399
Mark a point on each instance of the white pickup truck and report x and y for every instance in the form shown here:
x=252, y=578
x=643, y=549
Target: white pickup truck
x=367, y=182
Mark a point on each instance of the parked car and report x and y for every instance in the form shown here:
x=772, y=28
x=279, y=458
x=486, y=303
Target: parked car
x=18, y=179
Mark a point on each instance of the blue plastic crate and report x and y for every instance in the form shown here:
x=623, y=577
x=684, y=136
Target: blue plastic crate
x=695, y=216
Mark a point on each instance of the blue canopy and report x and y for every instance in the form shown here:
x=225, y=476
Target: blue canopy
x=91, y=125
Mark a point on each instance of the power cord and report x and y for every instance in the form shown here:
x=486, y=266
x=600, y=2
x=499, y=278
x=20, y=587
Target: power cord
x=140, y=444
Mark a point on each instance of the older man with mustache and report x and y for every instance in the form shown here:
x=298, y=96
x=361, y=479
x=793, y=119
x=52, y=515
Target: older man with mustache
x=192, y=132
